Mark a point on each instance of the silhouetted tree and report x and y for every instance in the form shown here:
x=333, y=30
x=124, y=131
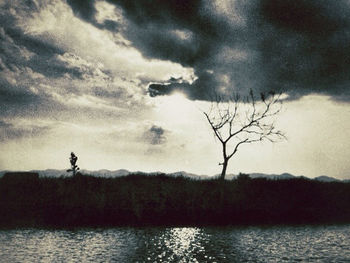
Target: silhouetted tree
x=236, y=121
x=73, y=160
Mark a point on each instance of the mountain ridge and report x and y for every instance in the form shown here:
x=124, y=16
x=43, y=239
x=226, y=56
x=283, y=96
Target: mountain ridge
x=123, y=172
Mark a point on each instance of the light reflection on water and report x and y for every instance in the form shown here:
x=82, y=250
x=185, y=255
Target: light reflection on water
x=229, y=244
x=178, y=243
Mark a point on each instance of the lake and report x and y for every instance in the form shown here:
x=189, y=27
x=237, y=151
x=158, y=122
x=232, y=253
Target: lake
x=178, y=244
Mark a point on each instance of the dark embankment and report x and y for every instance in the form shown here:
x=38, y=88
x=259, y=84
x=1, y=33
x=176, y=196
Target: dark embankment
x=161, y=200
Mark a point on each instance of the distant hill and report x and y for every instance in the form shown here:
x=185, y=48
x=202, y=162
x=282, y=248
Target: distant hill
x=123, y=172
x=106, y=173
x=284, y=176
x=324, y=178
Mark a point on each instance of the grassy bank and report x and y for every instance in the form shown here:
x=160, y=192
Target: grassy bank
x=160, y=200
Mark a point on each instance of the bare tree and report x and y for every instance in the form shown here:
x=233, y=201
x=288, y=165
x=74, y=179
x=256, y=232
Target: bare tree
x=238, y=121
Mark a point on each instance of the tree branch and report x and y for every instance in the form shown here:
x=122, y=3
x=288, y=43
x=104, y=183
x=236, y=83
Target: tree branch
x=214, y=128
x=245, y=121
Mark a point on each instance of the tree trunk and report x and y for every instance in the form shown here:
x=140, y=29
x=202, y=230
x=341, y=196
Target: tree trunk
x=223, y=172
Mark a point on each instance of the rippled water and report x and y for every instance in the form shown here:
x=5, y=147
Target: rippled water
x=229, y=244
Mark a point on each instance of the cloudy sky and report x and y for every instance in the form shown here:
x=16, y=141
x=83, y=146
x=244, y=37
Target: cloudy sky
x=123, y=83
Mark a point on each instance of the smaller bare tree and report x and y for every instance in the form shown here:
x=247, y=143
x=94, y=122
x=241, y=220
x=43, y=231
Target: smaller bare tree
x=73, y=160
x=238, y=121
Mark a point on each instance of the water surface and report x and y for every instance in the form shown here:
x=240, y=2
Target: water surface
x=221, y=244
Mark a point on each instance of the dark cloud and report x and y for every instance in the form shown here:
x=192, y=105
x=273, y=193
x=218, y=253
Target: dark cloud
x=19, y=74
x=156, y=135
x=33, y=68
x=39, y=46
x=19, y=101
x=296, y=46
x=196, y=90
x=307, y=48
x=43, y=54
x=16, y=95
x=312, y=18
x=162, y=89
x=110, y=25
x=82, y=8
x=9, y=131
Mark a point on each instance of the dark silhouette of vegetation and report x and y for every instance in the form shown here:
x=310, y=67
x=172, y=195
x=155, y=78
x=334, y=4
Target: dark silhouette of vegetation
x=73, y=160
x=138, y=200
x=20, y=177
x=237, y=121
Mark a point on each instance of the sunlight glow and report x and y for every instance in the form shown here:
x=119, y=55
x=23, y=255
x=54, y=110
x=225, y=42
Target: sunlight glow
x=175, y=107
